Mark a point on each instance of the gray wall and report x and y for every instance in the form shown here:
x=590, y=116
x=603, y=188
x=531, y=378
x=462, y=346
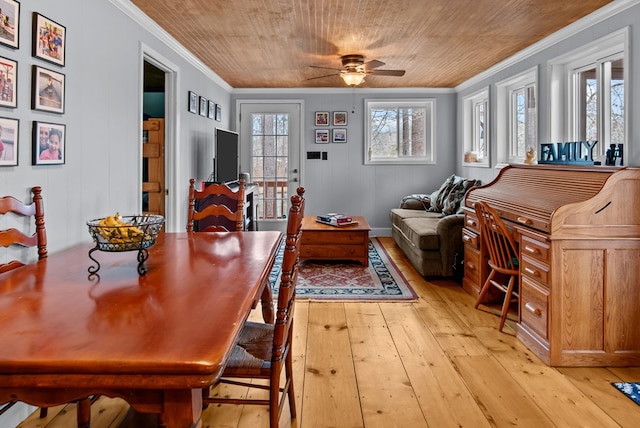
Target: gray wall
x=343, y=183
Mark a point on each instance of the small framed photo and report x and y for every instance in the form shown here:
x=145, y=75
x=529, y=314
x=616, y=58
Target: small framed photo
x=49, y=39
x=339, y=135
x=8, y=141
x=10, y=23
x=48, y=90
x=193, y=102
x=218, y=112
x=211, y=112
x=322, y=136
x=204, y=104
x=48, y=143
x=339, y=118
x=8, y=82
x=322, y=118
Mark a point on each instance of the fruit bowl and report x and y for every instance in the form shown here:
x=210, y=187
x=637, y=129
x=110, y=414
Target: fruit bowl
x=128, y=233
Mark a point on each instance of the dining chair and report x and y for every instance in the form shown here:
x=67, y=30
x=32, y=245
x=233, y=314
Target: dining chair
x=503, y=258
x=217, y=207
x=264, y=350
x=13, y=236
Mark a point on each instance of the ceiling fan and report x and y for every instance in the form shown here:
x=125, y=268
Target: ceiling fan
x=355, y=70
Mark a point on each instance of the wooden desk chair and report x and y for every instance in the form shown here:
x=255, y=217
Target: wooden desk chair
x=9, y=237
x=264, y=350
x=216, y=208
x=503, y=257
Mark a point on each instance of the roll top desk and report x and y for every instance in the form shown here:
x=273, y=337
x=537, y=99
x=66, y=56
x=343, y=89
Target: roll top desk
x=578, y=231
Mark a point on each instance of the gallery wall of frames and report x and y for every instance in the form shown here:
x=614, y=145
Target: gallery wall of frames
x=47, y=86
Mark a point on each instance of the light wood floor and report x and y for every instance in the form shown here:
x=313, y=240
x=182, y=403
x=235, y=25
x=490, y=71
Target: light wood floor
x=433, y=363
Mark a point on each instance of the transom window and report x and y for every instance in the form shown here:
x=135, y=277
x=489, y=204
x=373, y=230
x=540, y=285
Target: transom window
x=399, y=131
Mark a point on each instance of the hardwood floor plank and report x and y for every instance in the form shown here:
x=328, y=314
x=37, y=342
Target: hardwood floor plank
x=330, y=389
x=443, y=396
x=386, y=395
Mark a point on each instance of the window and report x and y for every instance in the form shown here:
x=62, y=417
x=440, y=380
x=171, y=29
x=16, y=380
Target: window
x=517, y=117
x=399, y=131
x=476, y=128
x=589, y=100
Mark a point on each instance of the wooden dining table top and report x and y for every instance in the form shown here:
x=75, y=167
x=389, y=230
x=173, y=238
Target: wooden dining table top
x=171, y=327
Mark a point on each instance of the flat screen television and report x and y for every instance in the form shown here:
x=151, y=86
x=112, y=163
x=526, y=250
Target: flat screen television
x=227, y=156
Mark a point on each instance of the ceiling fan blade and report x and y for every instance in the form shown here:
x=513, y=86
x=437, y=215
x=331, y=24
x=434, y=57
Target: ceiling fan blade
x=326, y=75
x=388, y=72
x=374, y=63
x=325, y=68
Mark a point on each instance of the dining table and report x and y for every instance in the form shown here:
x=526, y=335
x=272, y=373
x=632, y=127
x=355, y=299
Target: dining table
x=155, y=339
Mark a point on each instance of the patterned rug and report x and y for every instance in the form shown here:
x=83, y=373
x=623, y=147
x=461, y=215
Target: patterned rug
x=349, y=281
x=630, y=389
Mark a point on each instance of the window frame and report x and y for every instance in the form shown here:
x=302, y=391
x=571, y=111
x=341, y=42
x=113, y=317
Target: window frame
x=471, y=141
x=429, y=130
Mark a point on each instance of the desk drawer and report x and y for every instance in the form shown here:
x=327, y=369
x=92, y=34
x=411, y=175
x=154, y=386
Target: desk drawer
x=534, y=304
x=471, y=222
x=470, y=238
x=535, y=248
x=472, y=265
x=534, y=269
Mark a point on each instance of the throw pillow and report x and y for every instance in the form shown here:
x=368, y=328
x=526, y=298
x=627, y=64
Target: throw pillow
x=416, y=201
x=437, y=197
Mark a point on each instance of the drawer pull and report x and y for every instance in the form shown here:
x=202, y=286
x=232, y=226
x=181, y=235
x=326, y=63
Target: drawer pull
x=531, y=250
x=531, y=271
x=466, y=238
x=471, y=266
x=533, y=309
x=471, y=223
x=524, y=220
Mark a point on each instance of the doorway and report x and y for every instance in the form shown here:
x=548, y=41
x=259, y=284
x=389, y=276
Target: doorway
x=153, y=141
x=270, y=149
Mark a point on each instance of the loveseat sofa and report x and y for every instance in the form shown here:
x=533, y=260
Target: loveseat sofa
x=428, y=227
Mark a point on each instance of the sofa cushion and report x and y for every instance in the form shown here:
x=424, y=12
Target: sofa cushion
x=418, y=226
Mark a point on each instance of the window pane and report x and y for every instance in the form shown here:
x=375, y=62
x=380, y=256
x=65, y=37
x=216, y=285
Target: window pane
x=519, y=127
x=480, y=129
x=617, y=102
x=384, y=133
x=588, y=102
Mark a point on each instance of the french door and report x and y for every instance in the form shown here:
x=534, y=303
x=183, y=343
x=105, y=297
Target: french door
x=270, y=141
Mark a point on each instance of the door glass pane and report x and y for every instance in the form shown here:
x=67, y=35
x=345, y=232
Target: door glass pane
x=270, y=163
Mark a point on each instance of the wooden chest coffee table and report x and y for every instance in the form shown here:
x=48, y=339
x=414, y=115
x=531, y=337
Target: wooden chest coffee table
x=324, y=242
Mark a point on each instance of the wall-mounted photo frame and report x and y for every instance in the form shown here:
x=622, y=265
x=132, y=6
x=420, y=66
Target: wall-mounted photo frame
x=49, y=143
x=211, y=112
x=218, y=112
x=339, y=118
x=204, y=104
x=322, y=136
x=10, y=23
x=47, y=90
x=193, y=102
x=49, y=39
x=8, y=82
x=339, y=135
x=9, y=141
x=322, y=118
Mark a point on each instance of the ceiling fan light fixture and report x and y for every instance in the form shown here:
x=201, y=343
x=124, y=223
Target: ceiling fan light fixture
x=353, y=78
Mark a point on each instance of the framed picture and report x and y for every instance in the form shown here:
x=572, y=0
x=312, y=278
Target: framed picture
x=10, y=23
x=8, y=82
x=322, y=136
x=49, y=39
x=322, y=118
x=339, y=118
x=218, y=112
x=339, y=135
x=8, y=141
x=204, y=104
x=48, y=143
x=193, y=102
x=211, y=113
x=48, y=90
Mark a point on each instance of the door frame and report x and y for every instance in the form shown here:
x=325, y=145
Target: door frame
x=301, y=122
x=171, y=132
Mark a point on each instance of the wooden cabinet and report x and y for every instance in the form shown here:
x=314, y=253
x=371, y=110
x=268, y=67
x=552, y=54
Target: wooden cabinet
x=578, y=231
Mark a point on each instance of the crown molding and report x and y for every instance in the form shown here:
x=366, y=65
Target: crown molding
x=313, y=91
x=605, y=12
x=133, y=12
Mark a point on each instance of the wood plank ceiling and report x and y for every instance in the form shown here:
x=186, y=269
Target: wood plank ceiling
x=440, y=43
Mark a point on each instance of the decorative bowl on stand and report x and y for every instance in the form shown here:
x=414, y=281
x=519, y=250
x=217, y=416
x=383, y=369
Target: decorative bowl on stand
x=124, y=233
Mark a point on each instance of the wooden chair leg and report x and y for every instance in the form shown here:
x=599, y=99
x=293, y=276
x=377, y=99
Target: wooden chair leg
x=84, y=412
x=485, y=289
x=289, y=372
x=507, y=302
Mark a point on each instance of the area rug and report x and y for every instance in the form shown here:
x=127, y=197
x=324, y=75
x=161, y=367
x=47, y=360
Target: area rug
x=349, y=281
x=630, y=389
